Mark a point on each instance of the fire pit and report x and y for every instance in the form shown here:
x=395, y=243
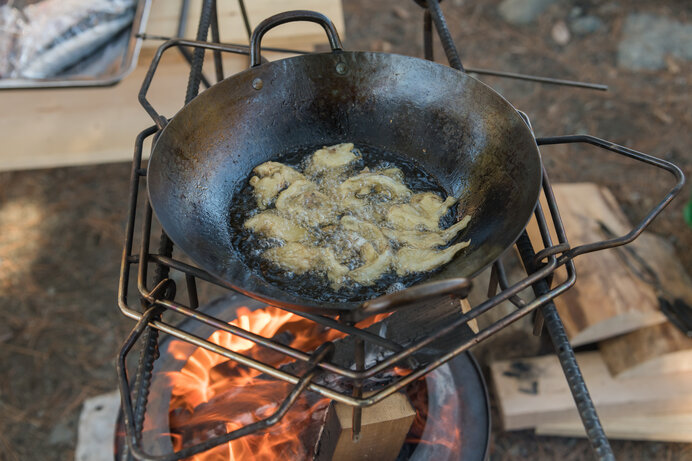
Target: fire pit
x=451, y=403
x=358, y=365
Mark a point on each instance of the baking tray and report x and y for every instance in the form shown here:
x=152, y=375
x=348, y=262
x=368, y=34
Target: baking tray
x=104, y=68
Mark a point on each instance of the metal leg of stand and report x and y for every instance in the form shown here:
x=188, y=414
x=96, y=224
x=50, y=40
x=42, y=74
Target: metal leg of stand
x=575, y=380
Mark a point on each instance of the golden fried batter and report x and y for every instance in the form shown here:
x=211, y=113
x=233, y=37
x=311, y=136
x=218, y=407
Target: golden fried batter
x=271, y=178
x=354, y=229
x=272, y=225
x=305, y=204
x=334, y=158
x=408, y=260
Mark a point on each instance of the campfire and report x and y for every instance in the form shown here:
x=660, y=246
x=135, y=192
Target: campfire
x=212, y=395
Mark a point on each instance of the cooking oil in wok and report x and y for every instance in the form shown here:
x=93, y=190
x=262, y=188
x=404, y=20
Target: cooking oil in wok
x=342, y=224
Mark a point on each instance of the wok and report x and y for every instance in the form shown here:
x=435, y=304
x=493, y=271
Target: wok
x=454, y=127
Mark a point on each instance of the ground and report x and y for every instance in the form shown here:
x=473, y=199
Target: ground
x=62, y=229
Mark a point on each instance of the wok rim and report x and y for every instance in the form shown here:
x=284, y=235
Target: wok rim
x=338, y=308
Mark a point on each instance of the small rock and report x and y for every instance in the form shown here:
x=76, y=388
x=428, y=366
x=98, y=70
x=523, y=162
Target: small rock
x=575, y=12
x=647, y=39
x=401, y=12
x=61, y=434
x=672, y=65
x=522, y=12
x=587, y=25
x=560, y=33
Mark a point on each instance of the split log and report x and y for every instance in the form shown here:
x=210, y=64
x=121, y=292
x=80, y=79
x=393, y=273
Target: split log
x=608, y=299
x=383, y=431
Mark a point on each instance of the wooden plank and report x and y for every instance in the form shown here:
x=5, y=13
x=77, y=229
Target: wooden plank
x=163, y=20
x=383, y=430
x=607, y=300
x=533, y=392
x=651, y=427
x=53, y=128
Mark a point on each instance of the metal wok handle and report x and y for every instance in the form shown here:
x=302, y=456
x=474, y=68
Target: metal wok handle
x=633, y=154
x=457, y=286
x=291, y=16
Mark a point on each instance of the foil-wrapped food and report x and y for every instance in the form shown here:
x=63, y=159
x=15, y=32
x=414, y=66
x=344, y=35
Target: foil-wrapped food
x=349, y=226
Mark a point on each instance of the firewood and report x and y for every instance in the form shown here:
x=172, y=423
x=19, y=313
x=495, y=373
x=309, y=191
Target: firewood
x=608, y=299
x=383, y=430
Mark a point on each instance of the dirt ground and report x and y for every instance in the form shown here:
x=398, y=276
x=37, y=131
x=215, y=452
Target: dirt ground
x=61, y=230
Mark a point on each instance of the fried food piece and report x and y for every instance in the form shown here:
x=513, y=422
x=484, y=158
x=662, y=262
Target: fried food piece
x=394, y=173
x=335, y=158
x=299, y=259
x=271, y=224
x=368, y=183
x=423, y=212
x=426, y=239
x=374, y=251
x=370, y=232
x=408, y=260
x=271, y=178
x=305, y=204
x=373, y=268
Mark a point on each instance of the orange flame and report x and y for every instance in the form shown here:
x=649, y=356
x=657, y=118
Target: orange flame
x=212, y=395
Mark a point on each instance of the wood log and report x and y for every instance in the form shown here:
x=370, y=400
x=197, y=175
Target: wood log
x=660, y=348
x=608, y=299
x=383, y=430
x=659, y=428
x=533, y=392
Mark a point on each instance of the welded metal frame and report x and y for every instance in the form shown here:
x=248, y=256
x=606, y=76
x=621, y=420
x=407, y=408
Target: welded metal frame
x=160, y=296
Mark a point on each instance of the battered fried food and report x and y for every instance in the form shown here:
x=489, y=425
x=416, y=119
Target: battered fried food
x=334, y=158
x=272, y=225
x=305, y=204
x=352, y=229
x=423, y=212
x=300, y=258
x=426, y=239
x=270, y=179
x=408, y=260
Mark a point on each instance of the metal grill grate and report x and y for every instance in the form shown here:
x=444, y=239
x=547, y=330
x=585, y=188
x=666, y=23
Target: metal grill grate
x=159, y=296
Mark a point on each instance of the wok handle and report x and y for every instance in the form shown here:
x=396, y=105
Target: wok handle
x=291, y=16
x=457, y=286
x=633, y=154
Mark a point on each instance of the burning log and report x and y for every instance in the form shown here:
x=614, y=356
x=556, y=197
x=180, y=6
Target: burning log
x=383, y=430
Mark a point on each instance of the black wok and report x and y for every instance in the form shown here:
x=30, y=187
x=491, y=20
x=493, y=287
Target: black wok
x=452, y=126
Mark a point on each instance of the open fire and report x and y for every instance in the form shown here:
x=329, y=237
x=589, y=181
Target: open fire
x=212, y=395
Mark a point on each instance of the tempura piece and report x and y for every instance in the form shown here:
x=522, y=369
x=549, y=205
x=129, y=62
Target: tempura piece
x=271, y=224
x=370, y=232
x=304, y=203
x=368, y=183
x=426, y=239
x=334, y=158
x=408, y=260
x=299, y=259
x=423, y=212
x=271, y=178
x=373, y=268
x=375, y=251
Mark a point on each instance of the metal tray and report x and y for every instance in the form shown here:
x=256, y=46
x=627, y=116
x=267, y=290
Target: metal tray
x=105, y=68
